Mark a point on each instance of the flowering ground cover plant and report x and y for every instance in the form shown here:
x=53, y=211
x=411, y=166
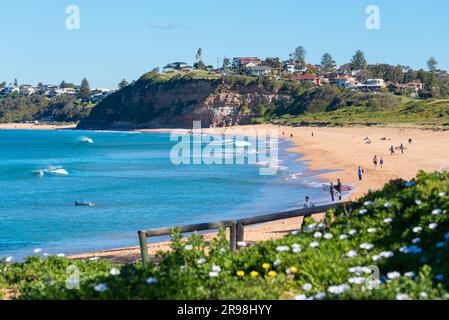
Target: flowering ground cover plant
x=392, y=244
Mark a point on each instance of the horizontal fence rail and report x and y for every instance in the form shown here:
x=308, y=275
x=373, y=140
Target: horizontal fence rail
x=236, y=227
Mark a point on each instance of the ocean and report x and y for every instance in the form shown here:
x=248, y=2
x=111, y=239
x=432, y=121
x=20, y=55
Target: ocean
x=133, y=184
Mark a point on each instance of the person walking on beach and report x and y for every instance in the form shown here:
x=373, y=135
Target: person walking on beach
x=402, y=148
x=291, y=135
x=332, y=190
x=360, y=173
x=307, y=205
x=392, y=150
x=381, y=163
x=375, y=161
x=410, y=141
x=338, y=187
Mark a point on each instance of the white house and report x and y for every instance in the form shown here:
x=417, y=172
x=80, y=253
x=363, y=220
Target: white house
x=259, y=71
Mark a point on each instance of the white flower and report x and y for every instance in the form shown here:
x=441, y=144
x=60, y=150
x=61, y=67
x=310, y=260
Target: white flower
x=151, y=280
x=314, y=244
x=115, y=271
x=60, y=255
x=296, y=248
x=201, y=261
x=387, y=205
x=402, y=296
x=423, y=295
x=216, y=268
x=371, y=230
x=242, y=244
x=294, y=233
x=307, y=287
x=317, y=235
x=367, y=246
x=277, y=262
x=376, y=257
x=359, y=270
x=388, y=220
x=9, y=259
x=101, y=287
x=368, y=203
x=282, y=248
x=351, y=254
x=386, y=254
x=328, y=236
x=343, y=237
x=312, y=226
x=46, y=254
x=357, y=280
x=417, y=229
x=442, y=194
x=37, y=250
x=363, y=211
x=301, y=297
x=94, y=259
x=338, y=289
x=418, y=202
x=213, y=274
x=437, y=212
x=410, y=274
x=222, y=250
x=416, y=240
x=188, y=247
x=352, y=232
x=320, y=295
x=393, y=275
x=433, y=226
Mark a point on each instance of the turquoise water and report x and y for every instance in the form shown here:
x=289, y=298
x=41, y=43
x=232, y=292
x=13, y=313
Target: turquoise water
x=133, y=184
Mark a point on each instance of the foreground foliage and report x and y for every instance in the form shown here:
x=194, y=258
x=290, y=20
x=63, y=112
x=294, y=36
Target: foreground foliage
x=400, y=231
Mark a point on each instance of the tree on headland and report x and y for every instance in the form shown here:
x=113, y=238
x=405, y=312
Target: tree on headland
x=84, y=89
x=123, y=84
x=299, y=55
x=199, y=60
x=63, y=84
x=40, y=84
x=432, y=64
x=358, y=61
x=327, y=62
x=16, y=83
x=226, y=62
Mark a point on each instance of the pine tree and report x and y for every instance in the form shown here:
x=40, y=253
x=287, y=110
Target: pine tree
x=123, y=84
x=84, y=89
x=358, y=61
x=432, y=64
x=299, y=55
x=327, y=62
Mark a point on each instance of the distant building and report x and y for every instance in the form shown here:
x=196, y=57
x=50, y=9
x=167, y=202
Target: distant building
x=293, y=68
x=411, y=89
x=309, y=78
x=372, y=85
x=176, y=67
x=344, y=81
x=259, y=71
x=246, y=62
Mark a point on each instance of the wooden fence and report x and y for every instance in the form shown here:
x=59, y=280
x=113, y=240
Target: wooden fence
x=236, y=227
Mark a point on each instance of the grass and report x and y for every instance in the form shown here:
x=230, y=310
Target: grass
x=390, y=245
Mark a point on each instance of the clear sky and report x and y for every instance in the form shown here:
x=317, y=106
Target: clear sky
x=125, y=38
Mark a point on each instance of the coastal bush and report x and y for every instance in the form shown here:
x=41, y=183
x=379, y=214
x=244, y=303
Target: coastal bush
x=391, y=244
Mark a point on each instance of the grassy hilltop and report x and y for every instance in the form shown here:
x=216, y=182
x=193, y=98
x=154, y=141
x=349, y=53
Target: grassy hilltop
x=401, y=231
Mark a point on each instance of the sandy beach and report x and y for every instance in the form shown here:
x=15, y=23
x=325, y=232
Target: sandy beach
x=33, y=126
x=340, y=150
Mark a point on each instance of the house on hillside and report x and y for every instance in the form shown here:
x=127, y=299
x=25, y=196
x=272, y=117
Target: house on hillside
x=410, y=89
x=246, y=62
x=315, y=80
x=344, y=81
x=259, y=71
x=176, y=67
x=293, y=68
x=372, y=85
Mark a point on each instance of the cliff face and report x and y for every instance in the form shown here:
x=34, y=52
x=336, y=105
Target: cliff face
x=151, y=103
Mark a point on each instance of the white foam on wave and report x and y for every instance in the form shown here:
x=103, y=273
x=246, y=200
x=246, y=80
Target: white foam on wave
x=51, y=170
x=294, y=176
x=240, y=144
x=86, y=140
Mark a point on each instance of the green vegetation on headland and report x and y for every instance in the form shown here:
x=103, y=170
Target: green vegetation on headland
x=402, y=231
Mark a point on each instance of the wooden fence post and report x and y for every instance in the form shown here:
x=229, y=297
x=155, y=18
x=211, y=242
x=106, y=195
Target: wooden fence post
x=240, y=232
x=233, y=236
x=143, y=247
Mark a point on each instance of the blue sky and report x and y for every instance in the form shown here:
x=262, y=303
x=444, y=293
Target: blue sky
x=124, y=39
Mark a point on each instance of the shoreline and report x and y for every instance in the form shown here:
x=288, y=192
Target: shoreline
x=33, y=126
x=339, y=150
